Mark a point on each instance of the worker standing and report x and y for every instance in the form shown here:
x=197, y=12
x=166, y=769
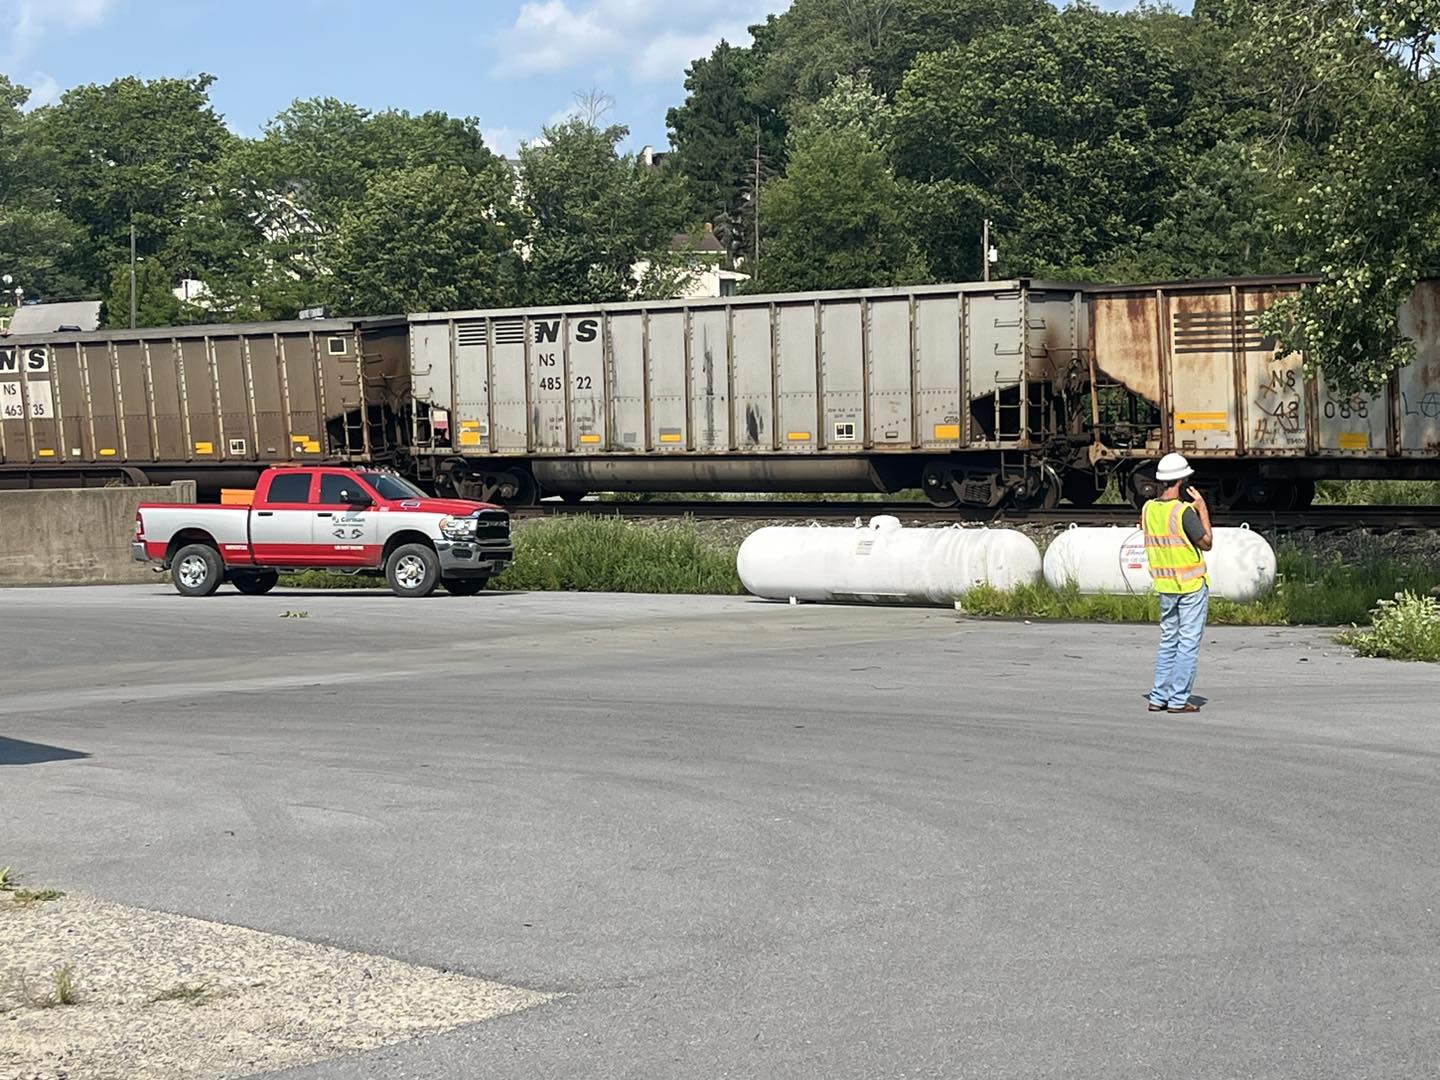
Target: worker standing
x=1177, y=530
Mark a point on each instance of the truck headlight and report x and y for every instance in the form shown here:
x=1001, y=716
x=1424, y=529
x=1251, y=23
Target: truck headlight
x=457, y=528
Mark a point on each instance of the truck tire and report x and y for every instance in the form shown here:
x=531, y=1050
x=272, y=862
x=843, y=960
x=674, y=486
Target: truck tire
x=197, y=570
x=464, y=586
x=255, y=584
x=413, y=570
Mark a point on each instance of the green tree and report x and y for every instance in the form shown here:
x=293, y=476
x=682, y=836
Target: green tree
x=46, y=253
x=1062, y=131
x=424, y=239
x=800, y=51
x=12, y=100
x=715, y=135
x=265, y=233
x=156, y=303
x=836, y=220
x=131, y=151
x=591, y=215
x=1355, y=128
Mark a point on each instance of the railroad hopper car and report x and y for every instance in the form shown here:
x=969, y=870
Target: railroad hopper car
x=971, y=392
x=1012, y=392
x=216, y=404
x=1184, y=366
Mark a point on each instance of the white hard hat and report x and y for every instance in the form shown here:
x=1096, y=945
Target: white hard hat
x=1173, y=467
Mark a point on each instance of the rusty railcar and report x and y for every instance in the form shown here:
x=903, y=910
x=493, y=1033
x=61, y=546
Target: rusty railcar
x=211, y=403
x=1184, y=366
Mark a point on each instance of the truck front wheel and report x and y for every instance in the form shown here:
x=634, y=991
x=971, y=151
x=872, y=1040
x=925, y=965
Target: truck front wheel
x=197, y=570
x=413, y=570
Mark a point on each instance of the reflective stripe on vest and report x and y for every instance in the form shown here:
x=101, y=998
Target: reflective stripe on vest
x=1176, y=565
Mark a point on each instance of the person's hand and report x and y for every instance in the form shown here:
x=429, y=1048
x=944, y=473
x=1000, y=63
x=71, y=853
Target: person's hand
x=1196, y=498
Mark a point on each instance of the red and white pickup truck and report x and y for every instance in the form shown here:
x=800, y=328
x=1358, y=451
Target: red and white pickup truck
x=319, y=517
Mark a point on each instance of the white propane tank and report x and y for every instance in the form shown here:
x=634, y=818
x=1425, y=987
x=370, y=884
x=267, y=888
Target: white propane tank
x=1112, y=560
x=883, y=562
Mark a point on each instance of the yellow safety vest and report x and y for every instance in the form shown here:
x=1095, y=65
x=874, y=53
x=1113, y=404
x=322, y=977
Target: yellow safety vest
x=1176, y=565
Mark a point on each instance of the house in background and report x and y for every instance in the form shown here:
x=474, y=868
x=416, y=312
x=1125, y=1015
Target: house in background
x=704, y=274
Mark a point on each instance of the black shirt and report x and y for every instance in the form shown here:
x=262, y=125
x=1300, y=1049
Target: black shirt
x=1190, y=524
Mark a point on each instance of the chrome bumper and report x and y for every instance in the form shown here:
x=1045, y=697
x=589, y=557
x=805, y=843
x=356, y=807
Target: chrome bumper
x=461, y=558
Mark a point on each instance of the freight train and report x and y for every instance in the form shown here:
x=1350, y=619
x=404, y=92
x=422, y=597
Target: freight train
x=1018, y=393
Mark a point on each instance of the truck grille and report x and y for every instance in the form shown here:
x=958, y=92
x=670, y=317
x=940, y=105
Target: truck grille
x=492, y=527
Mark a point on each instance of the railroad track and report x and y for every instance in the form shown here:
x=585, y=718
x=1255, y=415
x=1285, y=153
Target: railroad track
x=1372, y=518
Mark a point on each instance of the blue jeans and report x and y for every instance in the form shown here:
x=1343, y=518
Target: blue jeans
x=1182, y=625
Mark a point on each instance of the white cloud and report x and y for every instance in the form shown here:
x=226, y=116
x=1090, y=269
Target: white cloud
x=26, y=22
x=504, y=141
x=44, y=90
x=653, y=39
x=669, y=54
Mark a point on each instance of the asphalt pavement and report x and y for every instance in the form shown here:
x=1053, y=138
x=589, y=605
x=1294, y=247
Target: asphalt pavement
x=757, y=840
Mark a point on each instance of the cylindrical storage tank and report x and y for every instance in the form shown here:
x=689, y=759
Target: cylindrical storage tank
x=1112, y=560
x=883, y=562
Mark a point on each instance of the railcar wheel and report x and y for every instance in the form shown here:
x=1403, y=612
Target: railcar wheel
x=464, y=586
x=255, y=584
x=1041, y=492
x=935, y=482
x=197, y=570
x=413, y=570
x=517, y=488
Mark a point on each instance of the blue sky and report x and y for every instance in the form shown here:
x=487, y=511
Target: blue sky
x=514, y=64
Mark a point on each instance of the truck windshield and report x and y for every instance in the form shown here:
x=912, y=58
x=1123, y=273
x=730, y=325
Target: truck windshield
x=392, y=487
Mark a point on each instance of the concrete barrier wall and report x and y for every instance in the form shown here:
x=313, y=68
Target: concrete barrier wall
x=77, y=536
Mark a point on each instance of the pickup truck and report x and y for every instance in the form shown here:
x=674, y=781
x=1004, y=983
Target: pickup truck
x=319, y=517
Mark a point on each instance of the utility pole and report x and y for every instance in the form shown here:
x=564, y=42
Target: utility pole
x=133, y=304
x=755, y=198
x=985, y=250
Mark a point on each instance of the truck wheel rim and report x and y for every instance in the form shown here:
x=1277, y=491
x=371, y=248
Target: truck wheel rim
x=193, y=571
x=410, y=572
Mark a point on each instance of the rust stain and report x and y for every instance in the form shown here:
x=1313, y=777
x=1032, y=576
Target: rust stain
x=1126, y=348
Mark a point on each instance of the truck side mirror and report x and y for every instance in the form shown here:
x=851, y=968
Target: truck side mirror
x=356, y=498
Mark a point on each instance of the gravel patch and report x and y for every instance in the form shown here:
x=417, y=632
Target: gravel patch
x=239, y=1001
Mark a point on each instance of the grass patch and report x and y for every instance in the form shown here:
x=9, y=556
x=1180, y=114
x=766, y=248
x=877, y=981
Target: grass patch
x=62, y=990
x=1378, y=492
x=34, y=896
x=591, y=554
x=63, y=981
x=1405, y=628
x=1310, y=591
x=189, y=993
x=611, y=555
x=10, y=884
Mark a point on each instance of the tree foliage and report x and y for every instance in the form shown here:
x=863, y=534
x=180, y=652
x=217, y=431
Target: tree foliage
x=424, y=239
x=838, y=214
x=1354, y=133
x=1249, y=136
x=589, y=214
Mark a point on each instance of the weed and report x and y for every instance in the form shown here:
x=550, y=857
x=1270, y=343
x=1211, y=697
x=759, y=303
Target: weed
x=594, y=554
x=1309, y=591
x=34, y=896
x=294, y=614
x=1378, y=492
x=63, y=979
x=10, y=883
x=63, y=991
x=190, y=993
x=1405, y=628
